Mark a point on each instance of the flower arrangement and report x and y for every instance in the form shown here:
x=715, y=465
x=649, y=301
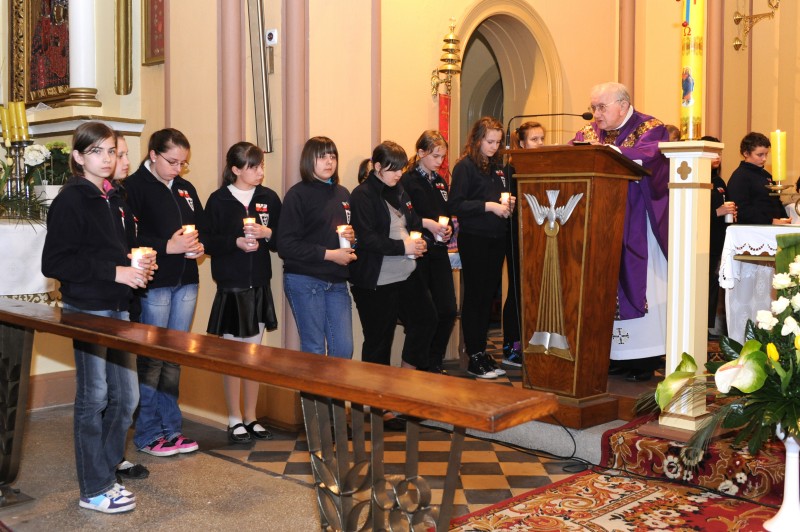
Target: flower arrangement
x=48, y=164
x=758, y=383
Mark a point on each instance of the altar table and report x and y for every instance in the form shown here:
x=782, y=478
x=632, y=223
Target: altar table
x=746, y=270
x=21, y=244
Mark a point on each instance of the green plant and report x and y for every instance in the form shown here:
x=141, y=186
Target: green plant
x=757, y=385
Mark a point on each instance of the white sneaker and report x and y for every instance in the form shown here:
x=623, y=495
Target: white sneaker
x=110, y=502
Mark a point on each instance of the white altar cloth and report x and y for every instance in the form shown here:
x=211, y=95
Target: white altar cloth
x=21, y=246
x=748, y=285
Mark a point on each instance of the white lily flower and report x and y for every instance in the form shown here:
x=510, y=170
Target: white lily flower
x=794, y=269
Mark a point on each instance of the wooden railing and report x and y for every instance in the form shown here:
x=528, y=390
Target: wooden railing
x=342, y=474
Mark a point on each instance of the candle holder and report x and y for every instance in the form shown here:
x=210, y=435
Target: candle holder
x=16, y=186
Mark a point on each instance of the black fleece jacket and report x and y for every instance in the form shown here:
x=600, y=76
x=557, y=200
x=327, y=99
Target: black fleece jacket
x=311, y=211
x=89, y=234
x=160, y=211
x=469, y=191
x=222, y=224
x=747, y=188
x=430, y=201
x=371, y=223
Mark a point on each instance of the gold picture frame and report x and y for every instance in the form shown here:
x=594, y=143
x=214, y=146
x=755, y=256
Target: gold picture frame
x=39, y=51
x=152, y=32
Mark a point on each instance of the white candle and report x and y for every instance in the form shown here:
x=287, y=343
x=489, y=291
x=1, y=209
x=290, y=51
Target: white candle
x=186, y=230
x=137, y=254
x=415, y=235
x=443, y=220
x=343, y=242
x=504, y=197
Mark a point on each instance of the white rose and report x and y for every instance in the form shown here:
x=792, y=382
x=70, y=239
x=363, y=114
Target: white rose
x=796, y=301
x=781, y=281
x=797, y=258
x=766, y=320
x=794, y=269
x=780, y=305
x=790, y=326
x=35, y=154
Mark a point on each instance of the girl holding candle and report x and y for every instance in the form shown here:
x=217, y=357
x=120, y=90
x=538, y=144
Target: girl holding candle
x=240, y=230
x=315, y=215
x=89, y=252
x=385, y=281
x=475, y=198
x=747, y=187
x=428, y=192
x=165, y=204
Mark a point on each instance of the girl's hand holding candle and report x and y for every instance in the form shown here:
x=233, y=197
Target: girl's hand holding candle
x=194, y=250
x=343, y=232
x=417, y=245
x=444, y=234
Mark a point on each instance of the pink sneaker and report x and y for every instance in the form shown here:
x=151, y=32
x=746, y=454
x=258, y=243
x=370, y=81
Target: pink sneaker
x=184, y=444
x=160, y=447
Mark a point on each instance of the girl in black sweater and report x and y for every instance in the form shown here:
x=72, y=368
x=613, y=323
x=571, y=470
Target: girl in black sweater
x=316, y=213
x=429, y=191
x=241, y=229
x=384, y=279
x=475, y=198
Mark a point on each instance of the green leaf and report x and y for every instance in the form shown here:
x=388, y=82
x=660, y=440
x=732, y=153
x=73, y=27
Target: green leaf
x=788, y=249
x=749, y=330
x=730, y=348
x=687, y=363
x=666, y=389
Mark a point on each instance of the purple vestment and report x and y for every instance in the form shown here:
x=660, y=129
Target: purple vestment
x=638, y=139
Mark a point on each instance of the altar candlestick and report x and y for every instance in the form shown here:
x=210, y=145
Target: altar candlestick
x=778, y=141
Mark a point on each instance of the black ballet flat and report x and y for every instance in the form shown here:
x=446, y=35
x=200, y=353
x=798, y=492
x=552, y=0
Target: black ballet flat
x=238, y=438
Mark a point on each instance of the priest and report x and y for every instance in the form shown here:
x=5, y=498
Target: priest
x=639, y=337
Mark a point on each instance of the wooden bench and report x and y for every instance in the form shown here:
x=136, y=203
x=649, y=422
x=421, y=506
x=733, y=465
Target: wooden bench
x=342, y=473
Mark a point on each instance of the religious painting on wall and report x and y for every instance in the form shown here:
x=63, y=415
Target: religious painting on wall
x=39, y=45
x=152, y=32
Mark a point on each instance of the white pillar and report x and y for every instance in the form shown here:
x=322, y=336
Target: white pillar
x=687, y=283
x=82, y=57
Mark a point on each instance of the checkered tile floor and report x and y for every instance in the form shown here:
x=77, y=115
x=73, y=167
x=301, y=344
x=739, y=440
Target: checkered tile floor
x=490, y=472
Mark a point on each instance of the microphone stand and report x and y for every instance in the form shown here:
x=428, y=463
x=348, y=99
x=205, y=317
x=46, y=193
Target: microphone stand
x=586, y=116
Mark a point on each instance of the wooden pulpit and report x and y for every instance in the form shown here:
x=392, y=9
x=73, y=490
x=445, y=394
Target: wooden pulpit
x=571, y=202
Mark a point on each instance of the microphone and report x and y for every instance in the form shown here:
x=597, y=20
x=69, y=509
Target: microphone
x=586, y=116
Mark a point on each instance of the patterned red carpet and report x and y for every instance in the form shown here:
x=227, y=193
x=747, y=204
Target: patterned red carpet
x=723, y=466
x=600, y=502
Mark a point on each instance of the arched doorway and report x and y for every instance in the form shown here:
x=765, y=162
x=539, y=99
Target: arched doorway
x=510, y=67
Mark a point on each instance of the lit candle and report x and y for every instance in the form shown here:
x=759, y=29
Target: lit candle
x=22, y=120
x=415, y=235
x=137, y=254
x=443, y=220
x=343, y=242
x=504, y=197
x=778, y=141
x=186, y=230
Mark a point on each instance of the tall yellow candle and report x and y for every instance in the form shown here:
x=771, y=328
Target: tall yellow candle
x=778, y=141
x=22, y=120
x=4, y=122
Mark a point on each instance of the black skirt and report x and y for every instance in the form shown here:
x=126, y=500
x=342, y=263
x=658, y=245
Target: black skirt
x=239, y=311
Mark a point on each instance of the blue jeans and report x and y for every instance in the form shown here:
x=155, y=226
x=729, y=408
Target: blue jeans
x=322, y=311
x=159, y=414
x=105, y=400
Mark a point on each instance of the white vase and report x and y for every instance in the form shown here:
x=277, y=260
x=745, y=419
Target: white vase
x=46, y=193
x=788, y=517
